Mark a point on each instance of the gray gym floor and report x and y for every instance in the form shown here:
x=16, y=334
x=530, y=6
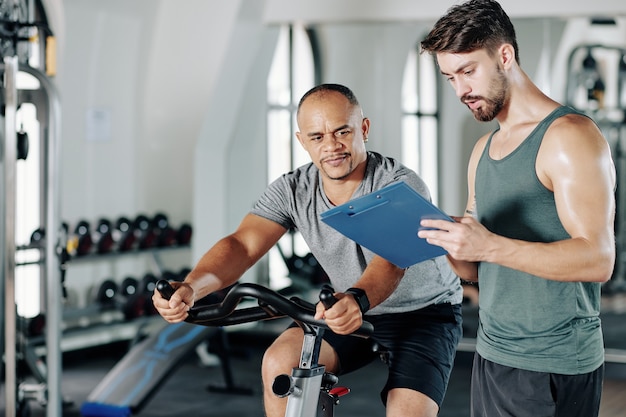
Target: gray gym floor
x=186, y=392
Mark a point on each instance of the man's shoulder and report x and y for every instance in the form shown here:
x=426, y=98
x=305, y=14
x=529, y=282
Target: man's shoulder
x=384, y=170
x=301, y=175
x=574, y=129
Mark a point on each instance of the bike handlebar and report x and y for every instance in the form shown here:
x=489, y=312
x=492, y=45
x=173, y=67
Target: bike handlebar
x=272, y=305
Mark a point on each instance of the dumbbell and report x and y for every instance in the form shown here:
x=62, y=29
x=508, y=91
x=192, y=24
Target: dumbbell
x=84, y=241
x=104, y=236
x=106, y=293
x=145, y=233
x=183, y=236
x=147, y=286
x=124, y=234
x=129, y=287
x=37, y=237
x=124, y=297
x=33, y=326
x=166, y=235
x=160, y=221
x=132, y=301
x=99, y=308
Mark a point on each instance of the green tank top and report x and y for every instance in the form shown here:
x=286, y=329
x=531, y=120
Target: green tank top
x=528, y=322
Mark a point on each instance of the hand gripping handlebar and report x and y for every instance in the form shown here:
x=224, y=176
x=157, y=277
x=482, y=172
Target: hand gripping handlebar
x=271, y=305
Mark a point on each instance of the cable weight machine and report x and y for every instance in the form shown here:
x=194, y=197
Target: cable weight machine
x=23, y=23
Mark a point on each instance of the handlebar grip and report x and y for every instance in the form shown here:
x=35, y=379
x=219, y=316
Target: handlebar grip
x=327, y=296
x=165, y=289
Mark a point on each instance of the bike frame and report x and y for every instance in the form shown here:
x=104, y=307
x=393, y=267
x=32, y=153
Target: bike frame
x=309, y=388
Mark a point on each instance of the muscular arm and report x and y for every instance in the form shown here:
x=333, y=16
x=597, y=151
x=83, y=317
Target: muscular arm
x=229, y=258
x=575, y=163
x=222, y=265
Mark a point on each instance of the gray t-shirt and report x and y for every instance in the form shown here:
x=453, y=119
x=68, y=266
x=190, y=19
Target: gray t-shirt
x=296, y=200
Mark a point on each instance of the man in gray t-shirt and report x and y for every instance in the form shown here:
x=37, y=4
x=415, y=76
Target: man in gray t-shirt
x=289, y=202
x=415, y=311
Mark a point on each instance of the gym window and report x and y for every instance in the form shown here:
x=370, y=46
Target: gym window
x=293, y=72
x=420, y=119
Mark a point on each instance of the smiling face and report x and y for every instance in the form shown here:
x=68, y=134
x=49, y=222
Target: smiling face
x=478, y=80
x=333, y=132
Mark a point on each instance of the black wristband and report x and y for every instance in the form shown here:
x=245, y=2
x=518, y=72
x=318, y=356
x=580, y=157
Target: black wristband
x=361, y=298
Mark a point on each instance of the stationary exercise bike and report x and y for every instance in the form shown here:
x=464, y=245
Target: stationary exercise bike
x=309, y=388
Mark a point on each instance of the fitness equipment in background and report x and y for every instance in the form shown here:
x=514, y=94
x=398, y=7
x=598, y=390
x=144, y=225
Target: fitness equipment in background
x=133, y=302
x=183, y=235
x=621, y=82
x=136, y=377
x=103, y=239
x=146, y=287
x=146, y=235
x=27, y=24
x=106, y=293
x=148, y=283
x=22, y=144
x=100, y=309
x=37, y=237
x=108, y=302
x=166, y=235
x=83, y=239
x=132, y=297
x=304, y=271
x=124, y=234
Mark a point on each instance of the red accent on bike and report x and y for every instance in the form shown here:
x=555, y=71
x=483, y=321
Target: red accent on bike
x=339, y=391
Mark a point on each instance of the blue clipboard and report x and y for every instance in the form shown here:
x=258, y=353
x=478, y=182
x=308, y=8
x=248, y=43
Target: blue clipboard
x=386, y=222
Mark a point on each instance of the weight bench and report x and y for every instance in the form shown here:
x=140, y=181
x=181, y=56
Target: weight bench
x=137, y=376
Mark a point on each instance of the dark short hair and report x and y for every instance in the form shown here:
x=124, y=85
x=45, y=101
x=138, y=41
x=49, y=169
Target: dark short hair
x=323, y=88
x=469, y=26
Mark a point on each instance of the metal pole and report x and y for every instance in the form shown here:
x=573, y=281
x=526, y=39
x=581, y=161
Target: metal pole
x=54, y=292
x=9, y=200
x=51, y=207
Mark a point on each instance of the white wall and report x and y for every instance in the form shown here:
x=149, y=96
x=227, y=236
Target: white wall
x=153, y=74
x=150, y=73
x=230, y=155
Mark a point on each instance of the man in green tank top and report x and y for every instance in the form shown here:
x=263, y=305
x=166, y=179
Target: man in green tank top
x=538, y=231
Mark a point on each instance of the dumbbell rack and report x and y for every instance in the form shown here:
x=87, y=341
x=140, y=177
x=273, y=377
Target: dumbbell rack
x=114, y=328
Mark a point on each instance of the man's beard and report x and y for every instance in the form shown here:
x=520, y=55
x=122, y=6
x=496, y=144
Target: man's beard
x=342, y=176
x=494, y=103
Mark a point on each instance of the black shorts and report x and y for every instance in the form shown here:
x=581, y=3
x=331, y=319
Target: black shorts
x=499, y=390
x=420, y=348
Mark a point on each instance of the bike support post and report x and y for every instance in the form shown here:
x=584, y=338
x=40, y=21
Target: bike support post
x=306, y=380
